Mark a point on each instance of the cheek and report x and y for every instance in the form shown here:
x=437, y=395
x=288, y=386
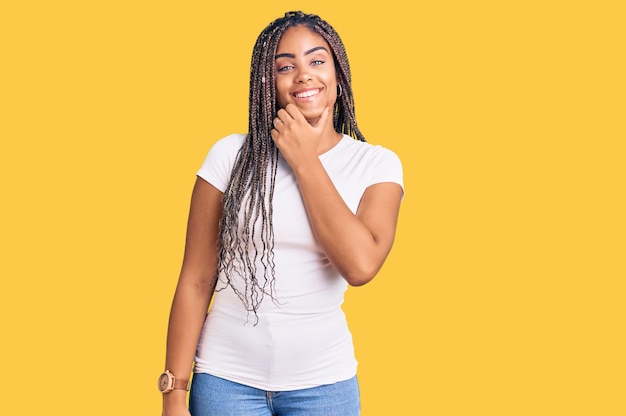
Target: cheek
x=332, y=85
x=331, y=79
x=281, y=93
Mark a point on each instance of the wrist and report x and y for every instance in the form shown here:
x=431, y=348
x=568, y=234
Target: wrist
x=169, y=383
x=175, y=397
x=306, y=168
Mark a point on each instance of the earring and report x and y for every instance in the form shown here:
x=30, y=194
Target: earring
x=339, y=90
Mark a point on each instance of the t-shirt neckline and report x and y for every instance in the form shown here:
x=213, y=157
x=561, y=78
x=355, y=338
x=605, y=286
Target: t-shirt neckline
x=336, y=147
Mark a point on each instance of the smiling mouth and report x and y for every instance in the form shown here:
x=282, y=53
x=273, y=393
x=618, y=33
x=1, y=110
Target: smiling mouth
x=306, y=94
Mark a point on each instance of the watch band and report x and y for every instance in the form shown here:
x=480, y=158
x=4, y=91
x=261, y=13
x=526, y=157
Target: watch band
x=181, y=384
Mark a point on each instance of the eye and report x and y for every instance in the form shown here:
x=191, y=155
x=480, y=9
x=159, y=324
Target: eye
x=284, y=68
x=317, y=62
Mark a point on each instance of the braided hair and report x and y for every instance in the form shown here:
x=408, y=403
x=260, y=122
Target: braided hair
x=247, y=201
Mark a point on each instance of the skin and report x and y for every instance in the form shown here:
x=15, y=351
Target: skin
x=356, y=245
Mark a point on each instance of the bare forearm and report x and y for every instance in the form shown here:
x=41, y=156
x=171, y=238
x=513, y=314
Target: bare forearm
x=187, y=316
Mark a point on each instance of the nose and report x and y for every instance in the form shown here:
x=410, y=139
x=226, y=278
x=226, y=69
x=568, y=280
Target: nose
x=303, y=75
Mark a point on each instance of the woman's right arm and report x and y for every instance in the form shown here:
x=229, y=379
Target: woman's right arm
x=195, y=288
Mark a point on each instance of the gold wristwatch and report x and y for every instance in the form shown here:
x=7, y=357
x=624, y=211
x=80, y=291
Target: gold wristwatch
x=167, y=383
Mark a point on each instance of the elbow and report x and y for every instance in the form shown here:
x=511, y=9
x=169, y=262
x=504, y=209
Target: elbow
x=359, y=282
x=359, y=267
x=206, y=286
x=359, y=276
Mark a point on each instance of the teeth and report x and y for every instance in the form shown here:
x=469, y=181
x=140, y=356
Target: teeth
x=306, y=93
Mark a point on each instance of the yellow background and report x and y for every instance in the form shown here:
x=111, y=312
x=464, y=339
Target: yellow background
x=504, y=293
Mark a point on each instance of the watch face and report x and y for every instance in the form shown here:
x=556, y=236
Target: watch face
x=163, y=382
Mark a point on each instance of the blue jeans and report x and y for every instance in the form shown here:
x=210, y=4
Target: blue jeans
x=214, y=396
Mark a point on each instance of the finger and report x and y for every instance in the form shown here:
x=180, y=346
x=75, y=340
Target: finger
x=277, y=123
x=284, y=115
x=293, y=111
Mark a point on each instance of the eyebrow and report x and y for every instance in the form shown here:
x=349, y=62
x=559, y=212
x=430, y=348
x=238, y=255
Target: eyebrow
x=291, y=55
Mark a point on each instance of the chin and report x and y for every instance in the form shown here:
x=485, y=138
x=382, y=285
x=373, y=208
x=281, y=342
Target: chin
x=312, y=119
x=312, y=115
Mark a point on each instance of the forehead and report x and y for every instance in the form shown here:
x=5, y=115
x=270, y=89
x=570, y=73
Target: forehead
x=300, y=37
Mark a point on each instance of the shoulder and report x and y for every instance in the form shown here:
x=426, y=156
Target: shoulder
x=220, y=159
x=229, y=144
x=381, y=164
x=369, y=151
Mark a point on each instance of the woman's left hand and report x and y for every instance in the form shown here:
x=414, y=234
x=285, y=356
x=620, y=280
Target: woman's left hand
x=297, y=140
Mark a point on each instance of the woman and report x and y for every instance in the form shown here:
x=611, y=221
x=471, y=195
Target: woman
x=282, y=219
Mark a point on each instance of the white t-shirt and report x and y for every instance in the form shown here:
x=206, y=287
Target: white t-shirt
x=301, y=339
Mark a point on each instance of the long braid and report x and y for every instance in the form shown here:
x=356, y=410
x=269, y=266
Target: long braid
x=247, y=201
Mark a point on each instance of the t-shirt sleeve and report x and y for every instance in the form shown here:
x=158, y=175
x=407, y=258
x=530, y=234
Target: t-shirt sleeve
x=220, y=160
x=387, y=168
